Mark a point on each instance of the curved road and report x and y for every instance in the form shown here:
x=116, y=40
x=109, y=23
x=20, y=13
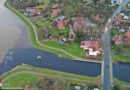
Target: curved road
x=48, y=75
x=107, y=75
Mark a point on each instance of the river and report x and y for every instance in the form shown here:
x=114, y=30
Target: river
x=16, y=48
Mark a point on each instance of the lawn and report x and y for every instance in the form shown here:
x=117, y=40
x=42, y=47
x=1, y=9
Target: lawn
x=41, y=22
x=25, y=78
x=121, y=58
x=45, y=3
x=74, y=49
x=121, y=82
x=20, y=80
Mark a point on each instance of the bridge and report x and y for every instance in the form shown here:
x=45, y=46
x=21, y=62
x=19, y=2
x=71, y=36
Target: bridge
x=106, y=70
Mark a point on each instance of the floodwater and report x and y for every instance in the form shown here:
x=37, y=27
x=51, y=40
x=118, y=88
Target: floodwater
x=10, y=31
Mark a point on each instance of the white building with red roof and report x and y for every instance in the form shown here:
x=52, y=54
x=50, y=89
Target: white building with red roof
x=62, y=24
x=55, y=6
x=127, y=34
x=118, y=40
x=54, y=13
x=93, y=47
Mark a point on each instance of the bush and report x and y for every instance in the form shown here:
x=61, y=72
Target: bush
x=116, y=87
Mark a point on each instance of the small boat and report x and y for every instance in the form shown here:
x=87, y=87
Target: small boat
x=39, y=57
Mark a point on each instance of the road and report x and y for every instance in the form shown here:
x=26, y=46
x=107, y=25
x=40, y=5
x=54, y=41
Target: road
x=107, y=76
x=42, y=74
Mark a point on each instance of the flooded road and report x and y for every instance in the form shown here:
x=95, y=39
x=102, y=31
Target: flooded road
x=12, y=31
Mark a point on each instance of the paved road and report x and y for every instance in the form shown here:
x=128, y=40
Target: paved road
x=107, y=62
x=48, y=75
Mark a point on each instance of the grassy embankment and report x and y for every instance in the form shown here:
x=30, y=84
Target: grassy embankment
x=26, y=78
x=32, y=34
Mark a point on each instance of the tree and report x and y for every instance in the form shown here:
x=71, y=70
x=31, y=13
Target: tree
x=78, y=37
x=116, y=87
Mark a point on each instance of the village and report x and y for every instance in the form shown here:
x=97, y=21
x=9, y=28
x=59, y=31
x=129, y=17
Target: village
x=121, y=32
x=76, y=28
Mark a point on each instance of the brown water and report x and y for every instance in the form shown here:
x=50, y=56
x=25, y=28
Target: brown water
x=12, y=31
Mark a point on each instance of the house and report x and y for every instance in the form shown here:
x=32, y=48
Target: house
x=90, y=38
x=71, y=33
x=54, y=13
x=127, y=34
x=62, y=5
x=98, y=17
x=60, y=18
x=118, y=40
x=117, y=1
x=32, y=10
x=62, y=24
x=117, y=22
x=93, y=47
x=78, y=24
x=124, y=29
x=77, y=88
x=119, y=16
x=55, y=6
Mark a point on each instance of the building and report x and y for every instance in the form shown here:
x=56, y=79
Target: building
x=71, y=33
x=117, y=1
x=78, y=24
x=127, y=34
x=118, y=40
x=60, y=18
x=33, y=11
x=62, y=5
x=54, y=13
x=93, y=47
x=55, y=6
x=62, y=24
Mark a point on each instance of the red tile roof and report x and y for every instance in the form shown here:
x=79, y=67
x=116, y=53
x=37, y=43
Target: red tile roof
x=62, y=24
x=119, y=16
x=118, y=38
x=127, y=34
x=62, y=4
x=65, y=22
x=55, y=6
x=98, y=17
x=77, y=26
x=33, y=10
x=117, y=22
x=81, y=20
x=93, y=44
x=54, y=13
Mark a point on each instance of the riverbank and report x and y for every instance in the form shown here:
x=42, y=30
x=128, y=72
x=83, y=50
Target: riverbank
x=125, y=59
x=14, y=76
x=36, y=43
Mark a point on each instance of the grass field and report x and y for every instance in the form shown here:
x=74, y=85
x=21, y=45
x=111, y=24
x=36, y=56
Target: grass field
x=73, y=48
x=121, y=58
x=26, y=78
